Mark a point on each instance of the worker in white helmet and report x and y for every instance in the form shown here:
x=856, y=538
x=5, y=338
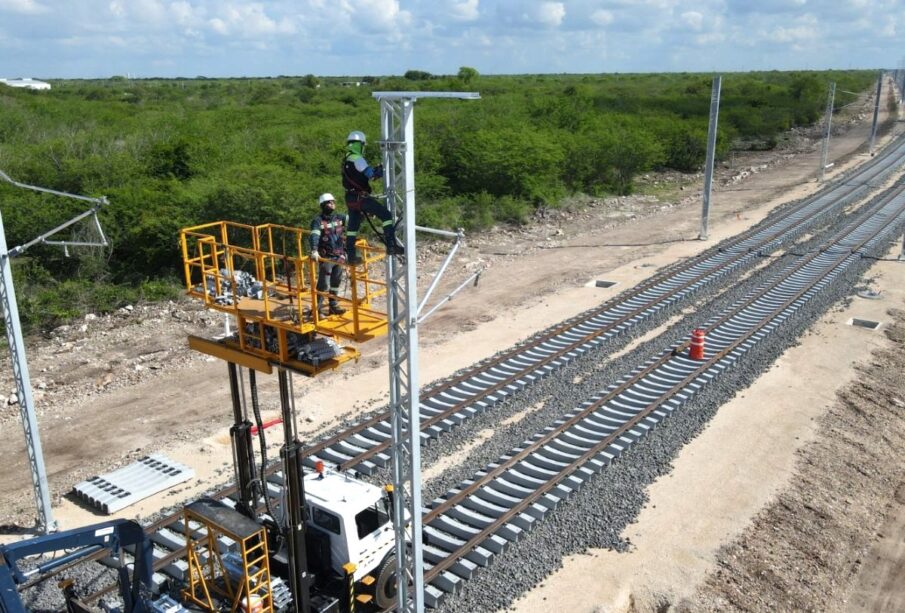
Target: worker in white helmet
x=327, y=248
x=357, y=175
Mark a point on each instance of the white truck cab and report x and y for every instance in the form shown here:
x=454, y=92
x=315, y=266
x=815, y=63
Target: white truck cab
x=354, y=515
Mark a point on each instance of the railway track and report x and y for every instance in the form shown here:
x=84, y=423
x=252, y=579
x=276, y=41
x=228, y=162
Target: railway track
x=477, y=520
x=365, y=446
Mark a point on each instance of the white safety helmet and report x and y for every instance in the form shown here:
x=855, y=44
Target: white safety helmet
x=326, y=197
x=356, y=136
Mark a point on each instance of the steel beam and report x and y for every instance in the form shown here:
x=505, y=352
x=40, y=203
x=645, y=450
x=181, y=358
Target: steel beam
x=299, y=578
x=45, y=521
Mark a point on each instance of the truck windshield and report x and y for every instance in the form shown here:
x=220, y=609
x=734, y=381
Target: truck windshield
x=370, y=519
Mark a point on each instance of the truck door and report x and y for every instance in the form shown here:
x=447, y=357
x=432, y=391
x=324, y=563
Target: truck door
x=375, y=537
x=331, y=524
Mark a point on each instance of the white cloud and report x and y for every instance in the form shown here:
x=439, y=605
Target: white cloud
x=149, y=11
x=711, y=38
x=551, y=13
x=782, y=34
x=154, y=14
x=465, y=11
x=23, y=7
x=260, y=37
x=183, y=13
x=249, y=21
x=219, y=26
x=516, y=14
x=693, y=20
x=602, y=17
x=382, y=15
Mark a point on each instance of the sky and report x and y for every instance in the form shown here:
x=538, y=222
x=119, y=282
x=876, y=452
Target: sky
x=221, y=38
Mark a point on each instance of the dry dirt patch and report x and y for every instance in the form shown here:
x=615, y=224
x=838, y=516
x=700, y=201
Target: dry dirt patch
x=832, y=541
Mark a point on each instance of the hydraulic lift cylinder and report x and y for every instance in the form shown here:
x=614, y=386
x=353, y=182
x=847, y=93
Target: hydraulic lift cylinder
x=299, y=580
x=243, y=452
x=291, y=453
x=243, y=456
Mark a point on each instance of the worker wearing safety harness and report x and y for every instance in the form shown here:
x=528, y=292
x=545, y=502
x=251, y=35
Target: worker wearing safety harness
x=357, y=174
x=328, y=250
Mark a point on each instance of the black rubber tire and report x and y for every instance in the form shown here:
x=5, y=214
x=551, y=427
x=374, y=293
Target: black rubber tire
x=385, y=585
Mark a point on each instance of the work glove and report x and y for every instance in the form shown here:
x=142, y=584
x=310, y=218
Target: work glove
x=378, y=171
x=315, y=256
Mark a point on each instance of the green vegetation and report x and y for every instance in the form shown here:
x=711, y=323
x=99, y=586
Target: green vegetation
x=173, y=153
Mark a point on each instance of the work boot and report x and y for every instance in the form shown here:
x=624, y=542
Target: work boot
x=335, y=309
x=353, y=259
x=389, y=239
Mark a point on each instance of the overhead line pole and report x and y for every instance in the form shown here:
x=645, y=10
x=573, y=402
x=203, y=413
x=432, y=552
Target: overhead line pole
x=826, y=136
x=711, y=153
x=44, y=520
x=873, y=126
x=398, y=146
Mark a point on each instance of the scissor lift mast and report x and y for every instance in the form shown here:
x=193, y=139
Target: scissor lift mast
x=403, y=315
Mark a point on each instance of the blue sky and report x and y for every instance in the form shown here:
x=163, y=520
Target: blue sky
x=169, y=38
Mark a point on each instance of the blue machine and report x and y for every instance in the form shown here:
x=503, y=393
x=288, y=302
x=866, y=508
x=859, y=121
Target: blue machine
x=112, y=535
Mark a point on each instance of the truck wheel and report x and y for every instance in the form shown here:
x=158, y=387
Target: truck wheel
x=385, y=586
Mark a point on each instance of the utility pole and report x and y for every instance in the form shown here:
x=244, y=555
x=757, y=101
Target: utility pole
x=44, y=521
x=711, y=153
x=398, y=145
x=826, y=136
x=873, y=126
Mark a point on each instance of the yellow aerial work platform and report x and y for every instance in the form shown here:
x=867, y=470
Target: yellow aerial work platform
x=263, y=277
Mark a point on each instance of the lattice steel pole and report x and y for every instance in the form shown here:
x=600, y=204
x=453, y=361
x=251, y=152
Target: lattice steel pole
x=397, y=127
x=826, y=136
x=398, y=146
x=45, y=520
x=873, y=125
x=711, y=153
x=23, y=388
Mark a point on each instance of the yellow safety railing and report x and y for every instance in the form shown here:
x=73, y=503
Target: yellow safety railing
x=210, y=583
x=263, y=276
